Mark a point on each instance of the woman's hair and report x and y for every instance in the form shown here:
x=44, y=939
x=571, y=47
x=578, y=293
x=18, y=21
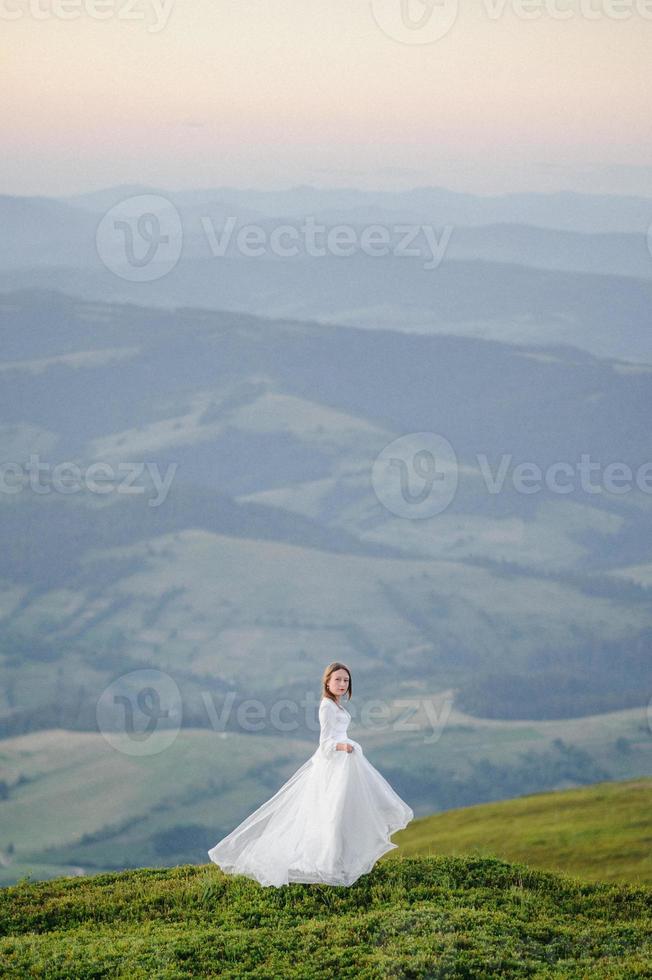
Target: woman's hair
x=336, y=665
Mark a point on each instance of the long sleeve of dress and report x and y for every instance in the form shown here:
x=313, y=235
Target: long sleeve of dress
x=327, y=735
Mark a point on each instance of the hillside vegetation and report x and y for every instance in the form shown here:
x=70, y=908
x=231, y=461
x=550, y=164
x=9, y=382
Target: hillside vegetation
x=600, y=833
x=410, y=917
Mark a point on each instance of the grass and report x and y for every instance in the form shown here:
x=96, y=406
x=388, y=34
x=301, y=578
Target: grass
x=600, y=833
x=410, y=917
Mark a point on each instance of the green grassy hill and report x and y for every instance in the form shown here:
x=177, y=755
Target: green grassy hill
x=600, y=833
x=410, y=917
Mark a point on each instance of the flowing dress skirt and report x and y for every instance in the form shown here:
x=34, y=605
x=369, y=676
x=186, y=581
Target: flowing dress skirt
x=328, y=824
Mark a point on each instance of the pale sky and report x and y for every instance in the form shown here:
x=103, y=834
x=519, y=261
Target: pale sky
x=274, y=93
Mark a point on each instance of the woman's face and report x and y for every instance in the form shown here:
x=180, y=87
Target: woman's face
x=338, y=682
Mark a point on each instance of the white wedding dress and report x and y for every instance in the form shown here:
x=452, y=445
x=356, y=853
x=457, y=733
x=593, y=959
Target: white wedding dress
x=328, y=824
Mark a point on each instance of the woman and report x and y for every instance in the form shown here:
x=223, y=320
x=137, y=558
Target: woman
x=333, y=818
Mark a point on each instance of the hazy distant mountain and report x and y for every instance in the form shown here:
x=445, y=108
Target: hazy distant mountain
x=42, y=231
x=509, y=282
x=100, y=201
x=565, y=210
x=603, y=254
x=117, y=363
x=608, y=316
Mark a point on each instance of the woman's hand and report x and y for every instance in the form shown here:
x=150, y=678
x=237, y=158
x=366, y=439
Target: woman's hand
x=344, y=747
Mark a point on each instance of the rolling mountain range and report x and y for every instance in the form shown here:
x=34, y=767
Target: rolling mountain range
x=270, y=430
x=537, y=269
x=565, y=210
